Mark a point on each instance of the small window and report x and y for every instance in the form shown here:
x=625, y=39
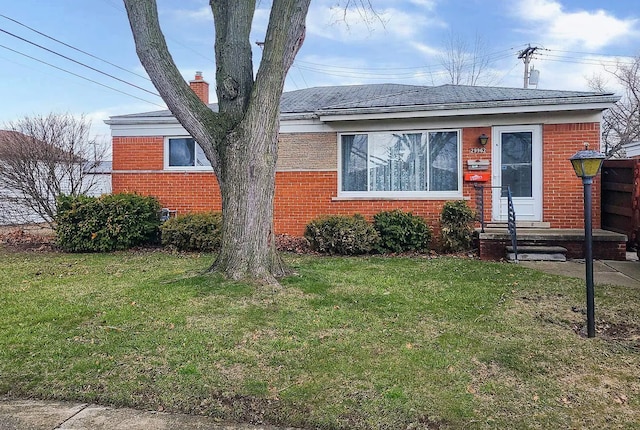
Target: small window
x=420, y=164
x=185, y=152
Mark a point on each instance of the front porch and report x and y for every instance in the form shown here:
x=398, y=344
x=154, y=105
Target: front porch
x=493, y=242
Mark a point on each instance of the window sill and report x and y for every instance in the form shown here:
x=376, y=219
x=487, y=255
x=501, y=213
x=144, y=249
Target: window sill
x=408, y=198
x=188, y=169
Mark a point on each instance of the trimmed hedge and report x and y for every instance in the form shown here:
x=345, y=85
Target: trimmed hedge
x=341, y=234
x=456, y=222
x=401, y=231
x=193, y=232
x=106, y=223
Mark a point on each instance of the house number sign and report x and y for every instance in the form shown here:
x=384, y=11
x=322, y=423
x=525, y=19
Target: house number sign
x=478, y=150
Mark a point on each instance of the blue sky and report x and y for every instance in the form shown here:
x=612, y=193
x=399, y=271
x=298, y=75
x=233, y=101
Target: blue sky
x=403, y=43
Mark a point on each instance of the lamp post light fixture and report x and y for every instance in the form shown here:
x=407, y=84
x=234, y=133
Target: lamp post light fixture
x=586, y=164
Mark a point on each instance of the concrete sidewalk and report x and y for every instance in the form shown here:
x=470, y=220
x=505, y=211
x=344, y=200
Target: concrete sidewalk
x=51, y=415
x=623, y=273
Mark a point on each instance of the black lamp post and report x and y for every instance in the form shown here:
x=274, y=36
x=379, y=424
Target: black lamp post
x=586, y=164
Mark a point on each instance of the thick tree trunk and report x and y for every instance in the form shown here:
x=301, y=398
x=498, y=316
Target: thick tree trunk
x=247, y=185
x=248, y=154
x=240, y=140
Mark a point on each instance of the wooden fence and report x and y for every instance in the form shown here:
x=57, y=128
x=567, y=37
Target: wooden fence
x=621, y=198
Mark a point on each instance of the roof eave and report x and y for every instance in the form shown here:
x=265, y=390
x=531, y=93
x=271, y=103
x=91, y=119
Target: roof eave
x=298, y=115
x=601, y=102
x=133, y=120
x=459, y=109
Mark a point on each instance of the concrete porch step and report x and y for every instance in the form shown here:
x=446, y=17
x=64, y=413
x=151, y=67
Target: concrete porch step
x=551, y=234
x=537, y=253
x=607, y=245
x=519, y=224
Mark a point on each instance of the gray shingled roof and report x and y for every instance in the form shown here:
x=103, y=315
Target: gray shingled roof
x=396, y=97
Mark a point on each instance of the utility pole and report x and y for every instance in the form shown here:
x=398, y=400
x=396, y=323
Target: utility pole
x=526, y=55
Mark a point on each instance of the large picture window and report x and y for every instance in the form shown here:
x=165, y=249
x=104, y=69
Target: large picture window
x=423, y=163
x=185, y=152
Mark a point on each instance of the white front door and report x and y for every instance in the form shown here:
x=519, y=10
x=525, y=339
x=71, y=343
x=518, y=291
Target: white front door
x=517, y=163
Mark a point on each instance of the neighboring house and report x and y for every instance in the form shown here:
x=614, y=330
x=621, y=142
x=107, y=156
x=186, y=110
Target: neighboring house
x=632, y=150
x=13, y=209
x=368, y=148
x=99, y=173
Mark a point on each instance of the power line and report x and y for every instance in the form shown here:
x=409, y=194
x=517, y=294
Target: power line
x=364, y=73
x=588, y=53
x=80, y=76
x=583, y=60
x=505, y=75
x=78, y=62
x=302, y=76
x=295, y=84
x=115, y=6
x=491, y=57
x=73, y=47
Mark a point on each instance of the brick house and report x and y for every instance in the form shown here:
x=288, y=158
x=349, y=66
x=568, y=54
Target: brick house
x=368, y=148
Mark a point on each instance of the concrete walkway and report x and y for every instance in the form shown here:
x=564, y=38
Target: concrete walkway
x=623, y=273
x=49, y=415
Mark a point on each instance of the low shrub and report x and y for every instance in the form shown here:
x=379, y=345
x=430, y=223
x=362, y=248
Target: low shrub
x=456, y=223
x=193, y=232
x=287, y=243
x=341, y=234
x=401, y=231
x=107, y=223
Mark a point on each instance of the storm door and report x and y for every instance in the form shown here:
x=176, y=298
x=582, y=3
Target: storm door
x=517, y=163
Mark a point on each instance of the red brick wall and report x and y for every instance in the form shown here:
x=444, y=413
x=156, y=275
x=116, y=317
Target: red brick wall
x=562, y=191
x=304, y=195
x=470, y=140
x=138, y=164
x=300, y=197
x=137, y=153
x=186, y=192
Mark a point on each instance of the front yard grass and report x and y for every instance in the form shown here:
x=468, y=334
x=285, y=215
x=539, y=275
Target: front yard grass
x=368, y=342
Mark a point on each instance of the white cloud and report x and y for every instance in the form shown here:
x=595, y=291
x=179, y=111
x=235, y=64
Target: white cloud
x=427, y=50
x=202, y=14
x=592, y=30
x=427, y=4
x=537, y=10
x=356, y=24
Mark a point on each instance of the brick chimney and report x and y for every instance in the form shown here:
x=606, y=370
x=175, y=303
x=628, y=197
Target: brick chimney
x=200, y=87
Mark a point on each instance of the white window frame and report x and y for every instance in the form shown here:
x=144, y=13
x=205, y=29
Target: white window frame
x=181, y=168
x=408, y=195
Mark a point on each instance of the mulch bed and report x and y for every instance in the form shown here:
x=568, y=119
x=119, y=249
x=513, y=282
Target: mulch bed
x=20, y=239
x=42, y=239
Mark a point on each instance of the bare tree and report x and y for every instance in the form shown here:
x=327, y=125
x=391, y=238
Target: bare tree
x=241, y=139
x=465, y=64
x=621, y=124
x=42, y=157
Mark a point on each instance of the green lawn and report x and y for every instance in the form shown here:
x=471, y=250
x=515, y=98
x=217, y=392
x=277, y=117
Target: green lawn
x=373, y=342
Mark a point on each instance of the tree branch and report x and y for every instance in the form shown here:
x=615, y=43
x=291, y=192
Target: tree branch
x=234, y=67
x=284, y=38
x=195, y=116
